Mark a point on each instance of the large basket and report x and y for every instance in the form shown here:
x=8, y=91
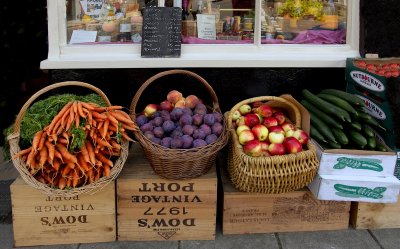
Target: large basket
x=275, y=174
x=21, y=166
x=179, y=163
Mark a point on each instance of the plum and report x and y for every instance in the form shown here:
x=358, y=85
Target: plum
x=177, y=132
x=217, y=129
x=200, y=106
x=176, y=114
x=186, y=119
x=218, y=117
x=187, y=110
x=168, y=126
x=211, y=138
x=166, y=142
x=158, y=132
x=156, y=140
x=158, y=121
x=141, y=120
x=156, y=114
x=146, y=127
x=187, y=141
x=197, y=119
x=148, y=134
x=165, y=115
x=206, y=129
x=199, y=134
x=188, y=130
x=209, y=119
x=176, y=143
x=200, y=111
x=199, y=143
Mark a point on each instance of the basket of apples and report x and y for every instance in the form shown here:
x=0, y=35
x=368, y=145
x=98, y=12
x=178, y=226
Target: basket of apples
x=180, y=136
x=267, y=152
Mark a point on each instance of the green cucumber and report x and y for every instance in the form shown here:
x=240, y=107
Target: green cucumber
x=340, y=136
x=355, y=125
x=371, y=143
x=316, y=134
x=322, y=127
x=324, y=117
x=334, y=145
x=357, y=138
x=368, y=119
x=368, y=131
x=380, y=147
x=352, y=99
x=338, y=102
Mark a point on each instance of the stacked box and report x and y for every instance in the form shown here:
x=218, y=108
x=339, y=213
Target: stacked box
x=44, y=220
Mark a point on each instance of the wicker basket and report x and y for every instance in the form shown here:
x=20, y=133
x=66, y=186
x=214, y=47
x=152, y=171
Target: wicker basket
x=179, y=163
x=21, y=166
x=275, y=174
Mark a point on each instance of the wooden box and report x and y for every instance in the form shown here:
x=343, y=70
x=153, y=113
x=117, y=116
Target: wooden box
x=289, y=212
x=43, y=220
x=365, y=215
x=152, y=208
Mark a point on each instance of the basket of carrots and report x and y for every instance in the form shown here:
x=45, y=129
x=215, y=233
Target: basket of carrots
x=67, y=144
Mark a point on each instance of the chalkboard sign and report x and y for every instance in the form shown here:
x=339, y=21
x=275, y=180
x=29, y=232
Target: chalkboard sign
x=161, y=32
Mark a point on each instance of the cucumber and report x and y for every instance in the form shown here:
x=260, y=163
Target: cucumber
x=326, y=106
x=340, y=136
x=334, y=145
x=322, y=127
x=326, y=118
x=371, y=143
x=352, y=99
x=368, y=119
x=358, y=138
x=338, y=102
x=368, y=131
x=380, y=147
x=357, y=126
x=316, y=134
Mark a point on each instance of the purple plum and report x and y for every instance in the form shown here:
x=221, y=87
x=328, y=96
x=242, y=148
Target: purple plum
x=177, y=132
x=187, y=110
x=218, y=117
x=168, y=126
x=158, y=121
x=158, y=132
x=156, y=140
x=186, y=119
x=206, y=129
x=209, y=119
x=217, y=129
x=166, y=142
x=197, y=119
x=211, y=138
x=141, y=120
x=148, y=134
x=176, y=143
x=199, y=134
x=199, y=143
x=188, y=130
x=146, y=127
x=187, y=141
x=176, y=114
x=165, y=115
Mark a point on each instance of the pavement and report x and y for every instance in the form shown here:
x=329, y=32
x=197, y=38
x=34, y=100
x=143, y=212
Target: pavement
x=340, y=239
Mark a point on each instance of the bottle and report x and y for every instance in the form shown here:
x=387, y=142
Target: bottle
x=185, y=10
x=200, y=7
x=125, y=30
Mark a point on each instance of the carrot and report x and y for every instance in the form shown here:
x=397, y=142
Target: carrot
x=115, y=145
x=124, y=135
x=105, y=128
x=51, y=150
x=88, y=105
x=41, y=141
x=108, y=108
x=62, y=141
x=104, y=160
x=102, y=142
x=97, y=115
x=80, y=110
x=75, y=179
x=42, y=180
x=121, y=117
x=70, y=119
x=36, y=140
x=90, y=175
x=64, y=118
x=58, y=116
x=43, y=157
x=69, y=182
x=106, y=171
x=130, y=127
x=56, y=165
x=100, y=125
x=65, y=154
x=58, y=155
x=111, y=153
x=22, y=153
x=61, y=183
x=97, y=175
x=66, y=171
x=82, y=163
x=31, y=159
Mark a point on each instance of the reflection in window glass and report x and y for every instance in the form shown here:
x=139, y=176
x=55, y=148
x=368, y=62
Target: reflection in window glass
x=303, y=21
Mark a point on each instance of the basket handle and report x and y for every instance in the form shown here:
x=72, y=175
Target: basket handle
x=28, y=103
x=266, y=98
x=169, y=72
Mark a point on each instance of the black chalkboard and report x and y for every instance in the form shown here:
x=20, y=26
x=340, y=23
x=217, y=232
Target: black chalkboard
x=161, y=32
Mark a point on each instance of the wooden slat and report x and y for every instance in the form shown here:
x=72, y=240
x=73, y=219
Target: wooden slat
x=375, y=215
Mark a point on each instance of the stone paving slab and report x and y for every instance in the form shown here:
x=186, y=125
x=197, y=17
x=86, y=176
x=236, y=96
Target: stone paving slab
x=133, y=244
x=342, y=239
x=387, y=238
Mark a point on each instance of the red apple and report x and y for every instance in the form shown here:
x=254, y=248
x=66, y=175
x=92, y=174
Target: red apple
x=251, y=119
x=260, y=131
x=264, y=145
x=265, y=153
x=174, y=96
x=289, y=133
x=150, y=109
x=270, y=121
x=395, y=74
x=276, y=137
x=292, y=145
x=257, y=104
x=280, y=117
x=246, y=136
x=288, y=126
x=277, y=128
x=302, y=136
x=166, y=105
x=264, y=110
x=241, y=128
x=244, y=109
x=253, y=148
x=191, y=101
x=236, y=115
x=276, y=149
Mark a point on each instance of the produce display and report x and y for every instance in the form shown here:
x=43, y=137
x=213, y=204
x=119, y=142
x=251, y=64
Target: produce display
x=265, y=131
x=383, y=69
x=78, y=145
x=180, y=123
x=338, y=120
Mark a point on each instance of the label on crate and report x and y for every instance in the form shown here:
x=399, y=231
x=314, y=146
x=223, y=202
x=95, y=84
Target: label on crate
x=373, y=109
x=367, y=81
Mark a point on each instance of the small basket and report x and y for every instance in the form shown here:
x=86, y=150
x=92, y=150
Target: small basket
x=275, y=174
x=21, y=166
x=179, y=163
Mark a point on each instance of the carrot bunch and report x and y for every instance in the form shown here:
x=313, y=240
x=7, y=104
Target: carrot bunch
x=78, y=146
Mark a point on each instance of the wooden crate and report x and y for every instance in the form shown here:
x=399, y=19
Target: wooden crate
x=365, y=215
x=289, y=212
x=152, y=208
x=43, y=220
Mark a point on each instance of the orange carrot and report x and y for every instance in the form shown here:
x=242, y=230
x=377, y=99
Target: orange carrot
x=43, y=156
x=108, y=108
x=70, y=119
x=69, y=182
x=106, y=171
x=130, y=127
x=90, y=175
x=62, y=141
x=105, y=128
x=58, y=155
x=66, y=171
x=51, y=150
x=36, y=140
x=64, y=118
x=97, y=115
x=121, y=117
x=84, y=153
x=31, y=159
x=124, y=135
x=88, y=105
x=115, y=145
x=58, y=117
x=61, y=183
x=75, y=179
x=102, y=142
x=41, y=141
x=22, y=153
x=56, y=165
x=82, y=163
x=104, y=160
x=80, y=110
x=65, y=154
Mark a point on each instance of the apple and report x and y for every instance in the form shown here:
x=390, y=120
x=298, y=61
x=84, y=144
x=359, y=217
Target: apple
x=257, y=104
x=174, y=96
x=265, y=153
x=289, y=133
x=280, y=117
x=292, y=145
x=270, y=121
x=166, y=105
x=395, y=74
x=191, y=101
x=264, y=110
x=236, y=115
x=244, y=109
x=277, y=128
x=264, y=145
x=150, y=109
x=260, y=119
x=251, y=119
x=276, y=149
x=240, y=121
x=288, y=126
x=253, y=148
x=276, y=137
x=260, y=131
x=241, y=128
x=302, y=136
x=246, y=136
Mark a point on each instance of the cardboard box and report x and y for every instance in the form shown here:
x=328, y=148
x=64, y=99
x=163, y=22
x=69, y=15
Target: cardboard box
x=375, y=215
x=151, y=208
x=43, y=220
x=356, y=188
x=245, y=213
